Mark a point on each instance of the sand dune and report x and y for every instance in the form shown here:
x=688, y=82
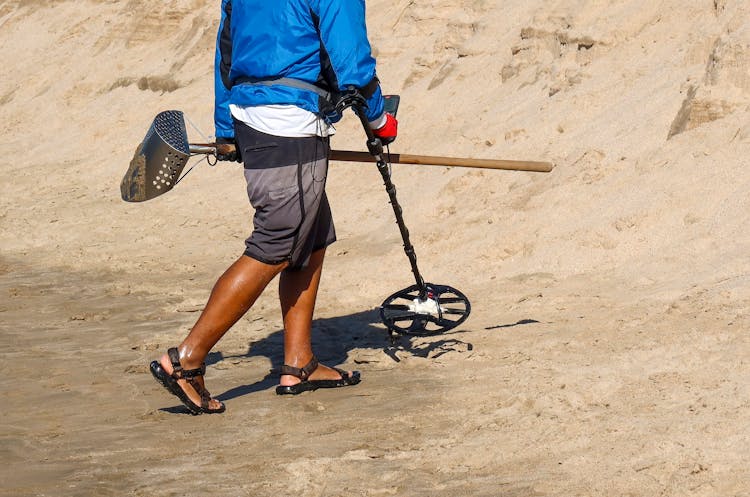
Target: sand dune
x=606, y=352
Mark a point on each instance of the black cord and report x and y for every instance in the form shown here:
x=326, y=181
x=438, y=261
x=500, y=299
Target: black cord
x=193, y=167
x=390, y=165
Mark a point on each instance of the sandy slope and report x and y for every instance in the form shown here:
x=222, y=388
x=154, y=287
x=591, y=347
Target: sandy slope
x=606, y=352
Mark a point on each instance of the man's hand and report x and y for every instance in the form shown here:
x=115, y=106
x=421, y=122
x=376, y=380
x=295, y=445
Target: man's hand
x=226, y=150
x=388, y=131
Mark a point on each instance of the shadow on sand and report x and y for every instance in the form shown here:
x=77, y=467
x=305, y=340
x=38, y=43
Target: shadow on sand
x=333, y=340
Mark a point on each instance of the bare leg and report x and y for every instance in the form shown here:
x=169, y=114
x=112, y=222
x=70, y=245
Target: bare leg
x=298, y=291
x=233, y=294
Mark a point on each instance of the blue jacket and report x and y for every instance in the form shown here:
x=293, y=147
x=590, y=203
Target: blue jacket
x=318, y=42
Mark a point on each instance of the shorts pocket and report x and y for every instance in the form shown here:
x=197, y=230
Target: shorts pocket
x=280, y=213
x=259, y=147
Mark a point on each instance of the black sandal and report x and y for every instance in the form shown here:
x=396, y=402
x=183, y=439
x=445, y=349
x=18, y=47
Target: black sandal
x=307, y=385
x=169, y=381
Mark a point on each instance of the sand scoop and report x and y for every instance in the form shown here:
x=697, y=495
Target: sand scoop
x=161, y=157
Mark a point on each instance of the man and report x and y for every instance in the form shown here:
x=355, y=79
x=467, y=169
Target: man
x=280, y=67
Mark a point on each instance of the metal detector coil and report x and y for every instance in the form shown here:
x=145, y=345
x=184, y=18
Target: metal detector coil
x=424, y=311
x=158, y=160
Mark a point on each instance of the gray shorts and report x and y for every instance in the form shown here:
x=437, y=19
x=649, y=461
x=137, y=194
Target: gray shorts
x=286, y=180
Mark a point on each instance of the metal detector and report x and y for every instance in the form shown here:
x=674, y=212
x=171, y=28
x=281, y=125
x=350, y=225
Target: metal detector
x=422, y=309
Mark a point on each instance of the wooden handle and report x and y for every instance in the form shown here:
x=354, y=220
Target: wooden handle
x=211, y=148
x=424, y=160
x=427, y=160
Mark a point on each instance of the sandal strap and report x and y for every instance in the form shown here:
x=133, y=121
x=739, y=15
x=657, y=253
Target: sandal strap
x=302, y=373
x=189, y=375
x=178, y=372
x=201, y=390
x=174, y=356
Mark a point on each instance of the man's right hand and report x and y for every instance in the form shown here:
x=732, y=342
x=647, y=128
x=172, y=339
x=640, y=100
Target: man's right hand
x=388, y=131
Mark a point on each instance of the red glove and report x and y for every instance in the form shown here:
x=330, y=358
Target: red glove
x=387, y=132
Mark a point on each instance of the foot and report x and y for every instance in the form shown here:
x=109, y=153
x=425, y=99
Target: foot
x=312, y=376
x=322, y=372
x=192, y=394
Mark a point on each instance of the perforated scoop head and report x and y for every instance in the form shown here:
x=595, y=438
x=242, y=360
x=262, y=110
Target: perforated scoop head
x=436, y=310
x=158, y=160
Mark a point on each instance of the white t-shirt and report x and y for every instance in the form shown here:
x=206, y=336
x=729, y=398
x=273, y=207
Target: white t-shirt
x=288, y=120
x=283, y=120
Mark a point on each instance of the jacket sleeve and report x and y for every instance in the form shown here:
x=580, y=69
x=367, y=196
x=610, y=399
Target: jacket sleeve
x=343, y=32
x=222, y=84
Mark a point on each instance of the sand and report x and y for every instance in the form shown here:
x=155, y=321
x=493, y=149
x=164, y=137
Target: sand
x=606, y=353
